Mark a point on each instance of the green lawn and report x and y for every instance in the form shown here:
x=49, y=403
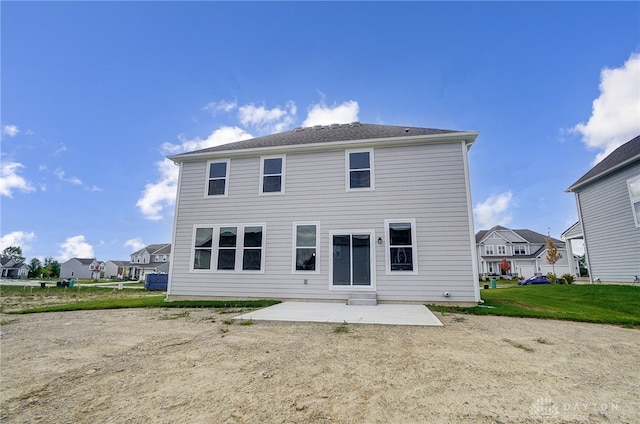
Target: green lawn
x=608, y=304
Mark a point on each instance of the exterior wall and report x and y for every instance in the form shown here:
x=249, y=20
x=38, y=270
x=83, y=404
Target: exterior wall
x=612, y=240
x=75, y=269
x=426, y=183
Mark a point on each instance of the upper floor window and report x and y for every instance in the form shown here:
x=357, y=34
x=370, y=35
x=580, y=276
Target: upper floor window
x=305, y=247
x=502, y=249
x=272, y=175
x=401, y=245
x=634, y=195
x=519, y=250
x=488, y=249
x=360, y=169
x=217, y=178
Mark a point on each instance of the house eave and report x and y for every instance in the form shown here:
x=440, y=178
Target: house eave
x=468, y=137
x=603, y=174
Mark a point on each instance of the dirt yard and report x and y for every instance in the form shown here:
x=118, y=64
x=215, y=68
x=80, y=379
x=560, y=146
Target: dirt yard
x=198, y=366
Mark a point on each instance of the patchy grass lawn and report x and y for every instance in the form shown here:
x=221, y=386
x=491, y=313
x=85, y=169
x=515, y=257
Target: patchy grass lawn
x=607, y=304
x=24, y=300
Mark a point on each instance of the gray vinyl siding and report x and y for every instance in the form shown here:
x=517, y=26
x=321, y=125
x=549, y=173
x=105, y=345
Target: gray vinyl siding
x=426, y=183
x=611, y=237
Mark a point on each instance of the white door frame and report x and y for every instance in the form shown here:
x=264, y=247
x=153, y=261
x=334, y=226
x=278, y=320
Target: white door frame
x=372, y=260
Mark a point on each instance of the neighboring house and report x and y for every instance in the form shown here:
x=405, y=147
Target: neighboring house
x=10, y=268
x=81, y=268
x=120, y=270
x=608, y=201
x=525, y=250
x=153, y=259
x=327, y=213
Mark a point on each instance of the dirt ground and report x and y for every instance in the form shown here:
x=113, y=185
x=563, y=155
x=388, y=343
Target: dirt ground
x=198, y=366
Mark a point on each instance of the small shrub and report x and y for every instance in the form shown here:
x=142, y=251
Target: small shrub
x=569, y=278
x=551, y=277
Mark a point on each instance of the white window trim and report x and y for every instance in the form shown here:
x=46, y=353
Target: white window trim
x=239, y=249
x=213, y=267
x=372, y=253
x=348, y=171
x=414, y=247
x=193, y=248
x=634, y=199
x=294, y=247
x=226, y=178
x=516, y=248
x=504, y=250
x=282, y=175
x=486, y=250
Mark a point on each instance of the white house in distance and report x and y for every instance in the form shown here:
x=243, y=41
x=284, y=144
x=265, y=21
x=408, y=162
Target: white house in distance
x=154, y=258
x=608, y=201
x=525, y=250
x=327, y=213
x=81, y=268
x=119, y=270
x=11, y=268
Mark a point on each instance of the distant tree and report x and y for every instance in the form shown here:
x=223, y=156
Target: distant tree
x=52, y=266
x=553, y=255
x=13, y=252
x=505, y=266
x=34, y=267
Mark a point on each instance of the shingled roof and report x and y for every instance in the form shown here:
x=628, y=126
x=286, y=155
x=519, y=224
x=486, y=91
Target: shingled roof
x=326, y=134
x=625, y=154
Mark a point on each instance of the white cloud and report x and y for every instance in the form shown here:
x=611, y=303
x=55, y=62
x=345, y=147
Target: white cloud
x=268, y=121
x=161, y=194
x=17, y=238
x=10, y=130
x=10, y=180
x=615, y=116
x=321, y=114
x=220, y=106
x=493, y=211
x=75, y=247
x=61, y=176
x=135, y=244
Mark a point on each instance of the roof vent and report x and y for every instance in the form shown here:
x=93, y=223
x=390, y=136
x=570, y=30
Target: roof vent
x=406, y=130
x=317, y=127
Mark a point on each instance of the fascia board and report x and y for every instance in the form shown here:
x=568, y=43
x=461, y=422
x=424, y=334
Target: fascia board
x=603, y=174
x=468, y=137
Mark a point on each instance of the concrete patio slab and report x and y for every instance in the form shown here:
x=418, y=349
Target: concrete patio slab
x=385, y=314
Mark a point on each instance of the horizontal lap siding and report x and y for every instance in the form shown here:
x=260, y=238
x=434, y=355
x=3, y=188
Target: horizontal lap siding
x=613, y=240
x=422, y=182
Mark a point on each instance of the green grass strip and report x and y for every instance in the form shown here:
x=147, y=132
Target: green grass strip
x=147, y=302
x=606, y=304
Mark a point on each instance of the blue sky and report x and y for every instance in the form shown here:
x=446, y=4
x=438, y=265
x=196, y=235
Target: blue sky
x=96, y=94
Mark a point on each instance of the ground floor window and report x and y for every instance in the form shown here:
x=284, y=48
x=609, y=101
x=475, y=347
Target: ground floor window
x=401, y=245
x=305, y=249
x=229, y=248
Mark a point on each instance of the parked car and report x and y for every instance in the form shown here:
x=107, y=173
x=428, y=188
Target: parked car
x=539, y=279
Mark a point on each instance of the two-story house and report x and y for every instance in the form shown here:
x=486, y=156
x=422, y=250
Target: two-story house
x=608, y=201
x=524, y=250
x=151, y=259
x=326, y=212
x=88, y=268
